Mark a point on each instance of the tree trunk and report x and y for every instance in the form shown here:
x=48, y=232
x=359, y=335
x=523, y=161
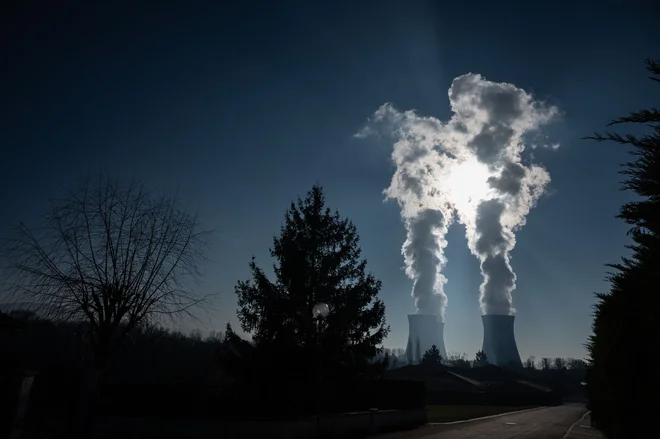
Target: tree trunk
x=89, y=384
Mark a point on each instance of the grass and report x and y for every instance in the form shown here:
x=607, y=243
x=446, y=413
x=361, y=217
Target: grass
x=448, y=413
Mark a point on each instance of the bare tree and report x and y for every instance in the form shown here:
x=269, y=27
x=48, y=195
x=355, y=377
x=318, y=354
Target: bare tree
x=196, y=335
x=545, y=364
x=458, y=359
x=559, y=363
x=215, y=336
x=112, y=256
x=530, y=363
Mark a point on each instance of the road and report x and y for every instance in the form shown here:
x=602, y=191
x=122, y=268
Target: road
x=545, y=423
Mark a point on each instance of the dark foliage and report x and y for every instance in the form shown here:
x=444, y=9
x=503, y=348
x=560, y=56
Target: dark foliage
x=10, y=385
x=164, y=374
x=456, y=359
x=480, y=359
x=432, y=357
x=621, y=392
x=150, y=354
x=154, y=373
x=318, y=260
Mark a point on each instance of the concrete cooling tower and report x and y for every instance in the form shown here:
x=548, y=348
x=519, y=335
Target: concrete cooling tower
x=499, y=341
x=424, y=331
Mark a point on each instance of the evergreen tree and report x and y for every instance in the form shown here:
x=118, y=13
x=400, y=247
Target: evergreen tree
x=230, y=335
x=432, y=357
x=621, y=391
x=318, y=260
x=480, y=359
x=235, y=356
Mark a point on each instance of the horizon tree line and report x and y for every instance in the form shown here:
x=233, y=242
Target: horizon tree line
x=118, y=259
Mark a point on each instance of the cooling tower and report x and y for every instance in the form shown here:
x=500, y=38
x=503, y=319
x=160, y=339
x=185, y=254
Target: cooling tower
x=499, y=341
x=424, y=331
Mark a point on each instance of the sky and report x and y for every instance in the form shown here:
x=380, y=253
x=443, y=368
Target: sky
x=243, y=107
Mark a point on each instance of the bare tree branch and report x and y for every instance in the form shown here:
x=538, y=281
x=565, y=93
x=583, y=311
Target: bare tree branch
x=112, y=256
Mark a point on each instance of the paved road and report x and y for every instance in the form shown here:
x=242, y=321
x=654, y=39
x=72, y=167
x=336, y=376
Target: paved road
x=583, y=430
x=546, y=423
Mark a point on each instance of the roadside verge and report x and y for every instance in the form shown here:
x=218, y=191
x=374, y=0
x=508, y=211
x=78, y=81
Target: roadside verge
x=486, y=417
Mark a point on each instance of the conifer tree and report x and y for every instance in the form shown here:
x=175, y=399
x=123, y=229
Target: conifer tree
x=317, y=260
x=621, y=391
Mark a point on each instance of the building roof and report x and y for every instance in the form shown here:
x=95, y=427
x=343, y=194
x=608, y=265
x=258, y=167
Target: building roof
x=488, y=374
x=435, y=379
x=536, y=386
x=494, y=377
x=469, y=380
x=452, y=379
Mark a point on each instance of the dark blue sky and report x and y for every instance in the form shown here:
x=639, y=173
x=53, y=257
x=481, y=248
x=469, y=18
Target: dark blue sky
x=242, y=108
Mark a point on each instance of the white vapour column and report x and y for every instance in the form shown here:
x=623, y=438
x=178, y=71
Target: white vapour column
x=499, y=340
x=470, y=168
x=424, y=331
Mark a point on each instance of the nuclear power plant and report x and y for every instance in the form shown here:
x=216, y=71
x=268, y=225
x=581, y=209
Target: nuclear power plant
x=499, y=341
x=424, y=331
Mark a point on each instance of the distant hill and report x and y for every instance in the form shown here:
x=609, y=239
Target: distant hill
x=8, y=321
x=9, y=307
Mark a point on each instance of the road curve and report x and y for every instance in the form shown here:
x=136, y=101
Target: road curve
x=545, y=423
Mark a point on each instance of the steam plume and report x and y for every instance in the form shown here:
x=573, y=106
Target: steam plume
x=469, y=167
x=423, y=254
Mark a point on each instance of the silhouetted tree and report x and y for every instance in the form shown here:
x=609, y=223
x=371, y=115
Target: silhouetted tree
x=196, y=334
x=230, y=335
x=110, y=255
x=480, y=359
x=397, y=357
x=457, y=359
x=575, y=364
x=546, y=363
x=432, y=357
x=215, y=336
x=620, y=391
x=388, y=360
x=559, y=363
x=236, y=357
x=22, y=314
x=318, y=259
x=530, y=363
x=150, y=358
x=387, y=357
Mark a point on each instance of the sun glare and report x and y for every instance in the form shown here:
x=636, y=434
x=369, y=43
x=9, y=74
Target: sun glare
x=468, y=184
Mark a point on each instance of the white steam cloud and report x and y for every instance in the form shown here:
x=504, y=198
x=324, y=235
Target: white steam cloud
x=468, y=168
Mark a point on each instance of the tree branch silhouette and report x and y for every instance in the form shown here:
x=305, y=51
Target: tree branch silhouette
x=111, y=255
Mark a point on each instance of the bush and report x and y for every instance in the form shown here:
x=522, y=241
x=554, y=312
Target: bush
x=53, y=402
x=155, y=400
